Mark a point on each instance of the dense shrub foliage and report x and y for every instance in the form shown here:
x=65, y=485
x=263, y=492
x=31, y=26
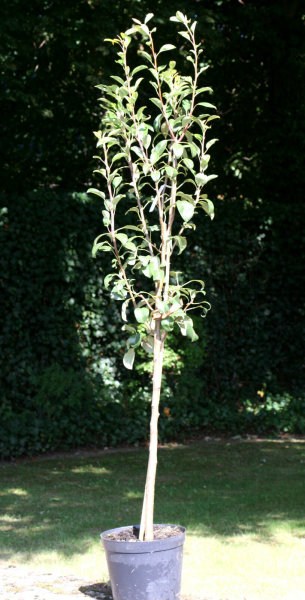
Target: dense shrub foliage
x=61, y=378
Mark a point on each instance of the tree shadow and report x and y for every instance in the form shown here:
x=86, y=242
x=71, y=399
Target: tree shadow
x=99, y=591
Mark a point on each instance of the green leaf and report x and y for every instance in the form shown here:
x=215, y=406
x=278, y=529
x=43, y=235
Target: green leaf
x=146, y=141
x=186, y=120
x=163, y=307
x=140, y=113
x=129, y=328
x=155, y=175
x=208, y=207
x=210, y=143
x=146, y=55
x=212, y=117
x=116, y=181
x=204, y=69
x=204, y=89
x=122, y=237
x=157, y=151
x=132, y=30
x=171, y=172
x=168, y=324
x=128, y=358
x=103, y=246
x=118, y=79
x=148, y=17
x=186, y=209
x=188, y=163
x=175, y=307
x=181, y=17
x=137, y=150
x=187, y=328
x=134, y=340
x=118, y=291
x=96, y=192
x=137, y=83
x=137, y=69
x=212, y=177
x=167, y=47
x=206, y=104
x=204, y=161
x=131, y=227
x=178, y=149
x=144, y=29
x=194, y=149
x=157, y=122
x=190, y=333
x=106, y=218
x=201, y=179
x=113, y=41
x=119, y=155
x=154, y=270
x=148, y=344
x=183, y=33
x=124, y=309
x=181, y=241
x=108, y=279
x=164, y=129
x=141, y=314
x=129, y=245
x=157, y=102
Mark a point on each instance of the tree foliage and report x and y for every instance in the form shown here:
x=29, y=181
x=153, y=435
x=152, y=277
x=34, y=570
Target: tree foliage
x=166, y=159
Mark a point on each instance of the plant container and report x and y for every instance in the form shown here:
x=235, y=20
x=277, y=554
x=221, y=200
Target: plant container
x=144, y=570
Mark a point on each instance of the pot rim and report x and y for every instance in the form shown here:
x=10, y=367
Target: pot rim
x=160, y=545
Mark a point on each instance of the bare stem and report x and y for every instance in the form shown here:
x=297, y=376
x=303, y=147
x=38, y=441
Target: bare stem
x=147, y=519
x=168, y=243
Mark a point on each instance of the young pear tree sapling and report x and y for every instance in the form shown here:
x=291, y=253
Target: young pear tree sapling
x=155, y=172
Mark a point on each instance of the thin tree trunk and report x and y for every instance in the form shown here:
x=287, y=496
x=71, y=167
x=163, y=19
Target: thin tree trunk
x=147, y=519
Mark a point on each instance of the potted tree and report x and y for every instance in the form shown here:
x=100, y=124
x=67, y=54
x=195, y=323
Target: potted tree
x=155, y=171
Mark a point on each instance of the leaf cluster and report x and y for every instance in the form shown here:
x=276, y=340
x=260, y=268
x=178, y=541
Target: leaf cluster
x=158, y=168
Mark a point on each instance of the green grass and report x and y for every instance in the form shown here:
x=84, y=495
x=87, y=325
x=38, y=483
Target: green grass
x=243, y=504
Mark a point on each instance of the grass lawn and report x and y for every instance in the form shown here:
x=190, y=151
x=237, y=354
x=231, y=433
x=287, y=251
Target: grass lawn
x=243, y=503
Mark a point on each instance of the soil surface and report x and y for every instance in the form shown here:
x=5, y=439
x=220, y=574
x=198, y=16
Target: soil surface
x=131, y=534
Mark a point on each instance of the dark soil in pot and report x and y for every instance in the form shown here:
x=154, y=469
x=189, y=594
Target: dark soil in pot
x=131, y=534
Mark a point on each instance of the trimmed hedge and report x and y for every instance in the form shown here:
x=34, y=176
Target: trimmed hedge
x=63, y=384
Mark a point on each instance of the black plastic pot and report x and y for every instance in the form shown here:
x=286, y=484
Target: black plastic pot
x=144, y=570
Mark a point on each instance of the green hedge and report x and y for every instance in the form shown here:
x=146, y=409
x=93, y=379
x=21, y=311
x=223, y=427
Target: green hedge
x=63, y=384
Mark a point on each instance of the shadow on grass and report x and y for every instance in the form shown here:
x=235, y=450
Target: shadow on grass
x=220, y=489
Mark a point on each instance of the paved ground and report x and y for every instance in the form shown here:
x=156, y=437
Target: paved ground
x=18, y=583
x=21, y=584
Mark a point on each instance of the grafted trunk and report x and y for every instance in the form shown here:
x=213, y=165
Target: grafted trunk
x=147, y=519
